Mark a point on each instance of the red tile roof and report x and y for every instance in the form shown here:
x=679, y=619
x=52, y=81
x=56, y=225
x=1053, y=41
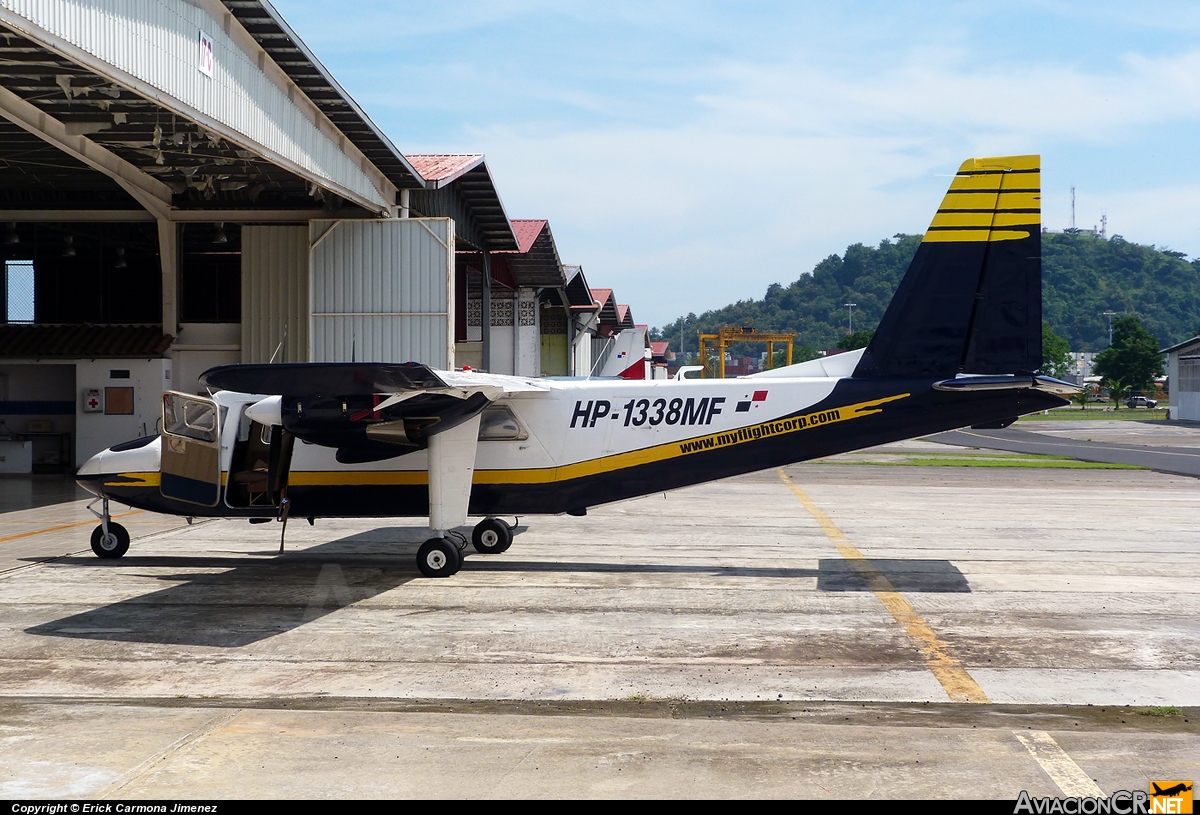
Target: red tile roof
x=659, y=349
x=441, y=167
x=601, y=295
x=526, y=232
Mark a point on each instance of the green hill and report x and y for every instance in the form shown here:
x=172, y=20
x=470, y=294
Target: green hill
x=1082, y=277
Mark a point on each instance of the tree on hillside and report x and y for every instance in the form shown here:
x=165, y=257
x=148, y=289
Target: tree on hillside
x=1056, y=353
x=859, y=339
x=1133, y=360
x=1082, y=277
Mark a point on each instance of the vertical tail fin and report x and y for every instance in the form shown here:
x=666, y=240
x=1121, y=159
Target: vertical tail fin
x=971, y=300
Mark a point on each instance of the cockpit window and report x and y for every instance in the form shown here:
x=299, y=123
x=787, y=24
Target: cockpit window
x=132, y=445
x=190, y=418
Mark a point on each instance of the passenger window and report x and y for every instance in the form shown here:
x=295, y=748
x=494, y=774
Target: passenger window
x=498, y=423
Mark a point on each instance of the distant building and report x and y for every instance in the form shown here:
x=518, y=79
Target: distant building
x=1081, y=366
x=1183, y=371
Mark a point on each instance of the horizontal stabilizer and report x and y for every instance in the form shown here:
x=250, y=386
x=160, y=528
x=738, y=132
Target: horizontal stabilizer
x=972, y=384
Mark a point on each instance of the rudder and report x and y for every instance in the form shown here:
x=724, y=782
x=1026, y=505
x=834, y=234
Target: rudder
x=971, y=300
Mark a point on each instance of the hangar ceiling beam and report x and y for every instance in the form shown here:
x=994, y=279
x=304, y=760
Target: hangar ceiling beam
x=149, y=191
x=235, y=216
x=242, y=102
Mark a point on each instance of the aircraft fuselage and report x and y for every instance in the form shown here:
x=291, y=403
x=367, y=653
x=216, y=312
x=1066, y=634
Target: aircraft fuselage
x=583, y=443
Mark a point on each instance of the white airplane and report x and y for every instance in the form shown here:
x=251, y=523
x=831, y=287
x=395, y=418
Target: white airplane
x=959, y=345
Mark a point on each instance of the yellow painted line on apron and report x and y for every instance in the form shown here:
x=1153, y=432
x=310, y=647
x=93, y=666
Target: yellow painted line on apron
x=959, y=685
x=50, y=529
x=1061, y=768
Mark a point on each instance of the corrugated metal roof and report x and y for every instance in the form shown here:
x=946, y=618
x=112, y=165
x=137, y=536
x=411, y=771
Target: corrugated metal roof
x=535, y=264
x=442, y=168
x=83, y=341
x=526, y=232
x=624, y=318
x=608, y=307
x=579, y=296
x=1183, y=344
x=468, y=180
x=271, y=31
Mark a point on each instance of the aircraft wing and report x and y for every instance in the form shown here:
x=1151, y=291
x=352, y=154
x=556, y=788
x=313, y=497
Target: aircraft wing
x=302, y=379
x=322, y=378
x=477, y=381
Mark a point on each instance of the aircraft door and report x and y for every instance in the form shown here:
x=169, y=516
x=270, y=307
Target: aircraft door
x=191, y=449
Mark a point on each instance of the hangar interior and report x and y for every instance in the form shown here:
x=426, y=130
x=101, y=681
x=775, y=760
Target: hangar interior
x=183, y=184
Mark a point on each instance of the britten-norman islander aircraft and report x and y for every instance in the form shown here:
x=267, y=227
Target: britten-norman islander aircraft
x=960, y=344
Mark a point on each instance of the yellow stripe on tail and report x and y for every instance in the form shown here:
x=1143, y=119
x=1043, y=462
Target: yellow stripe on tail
x=990, y=199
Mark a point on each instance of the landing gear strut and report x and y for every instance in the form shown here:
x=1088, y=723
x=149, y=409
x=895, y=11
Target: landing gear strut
x=109, y=539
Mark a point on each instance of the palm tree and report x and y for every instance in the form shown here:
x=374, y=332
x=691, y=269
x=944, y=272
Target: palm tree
x=1116, y=390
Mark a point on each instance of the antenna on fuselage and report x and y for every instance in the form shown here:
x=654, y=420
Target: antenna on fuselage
x=279, y=347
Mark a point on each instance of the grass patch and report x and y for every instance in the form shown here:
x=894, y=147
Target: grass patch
x=1161, y=710
x=1097, y=414
x=1044, y=463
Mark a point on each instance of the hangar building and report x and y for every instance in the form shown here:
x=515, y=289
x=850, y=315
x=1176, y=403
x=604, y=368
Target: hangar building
x=1183, y=377
x=183, y=184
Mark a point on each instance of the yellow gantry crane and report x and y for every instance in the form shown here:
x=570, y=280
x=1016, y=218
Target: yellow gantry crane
x=727, y=335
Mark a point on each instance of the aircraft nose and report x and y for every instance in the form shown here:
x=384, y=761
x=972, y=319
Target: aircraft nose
x=89, y=475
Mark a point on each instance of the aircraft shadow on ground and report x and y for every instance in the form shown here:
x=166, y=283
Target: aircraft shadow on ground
x=913, y=576
x=243, y=601
x=249, y=599
x=916, y=576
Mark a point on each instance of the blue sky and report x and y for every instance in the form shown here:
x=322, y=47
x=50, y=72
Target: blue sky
x=690, y=154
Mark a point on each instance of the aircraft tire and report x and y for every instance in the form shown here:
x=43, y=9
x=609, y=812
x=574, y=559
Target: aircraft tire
x=439, y=557
x=115, y=544
x=491, y=536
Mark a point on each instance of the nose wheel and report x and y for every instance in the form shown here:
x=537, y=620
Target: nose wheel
x=492, y=536
x=109, y=539
x=111, y=543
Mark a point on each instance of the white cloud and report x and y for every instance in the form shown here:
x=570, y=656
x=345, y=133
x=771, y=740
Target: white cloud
x=688, y=156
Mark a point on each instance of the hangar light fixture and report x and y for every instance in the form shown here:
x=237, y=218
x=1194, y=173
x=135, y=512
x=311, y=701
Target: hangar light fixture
x=69, y=247
x=12, y=238
x=220, y=237
x=120, y=264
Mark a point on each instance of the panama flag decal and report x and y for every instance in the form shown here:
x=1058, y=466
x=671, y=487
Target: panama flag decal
x=754, y=401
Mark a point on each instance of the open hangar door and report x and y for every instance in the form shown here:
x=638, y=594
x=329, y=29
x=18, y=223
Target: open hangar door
x=210, y=300
x=81, y=345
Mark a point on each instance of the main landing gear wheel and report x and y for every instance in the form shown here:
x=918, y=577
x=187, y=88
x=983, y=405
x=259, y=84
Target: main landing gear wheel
x=492, y=536
x=112, y=545
x=439, y=557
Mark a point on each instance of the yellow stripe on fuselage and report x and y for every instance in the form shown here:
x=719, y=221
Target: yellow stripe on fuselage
x=148, y=479
x=566, y=472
